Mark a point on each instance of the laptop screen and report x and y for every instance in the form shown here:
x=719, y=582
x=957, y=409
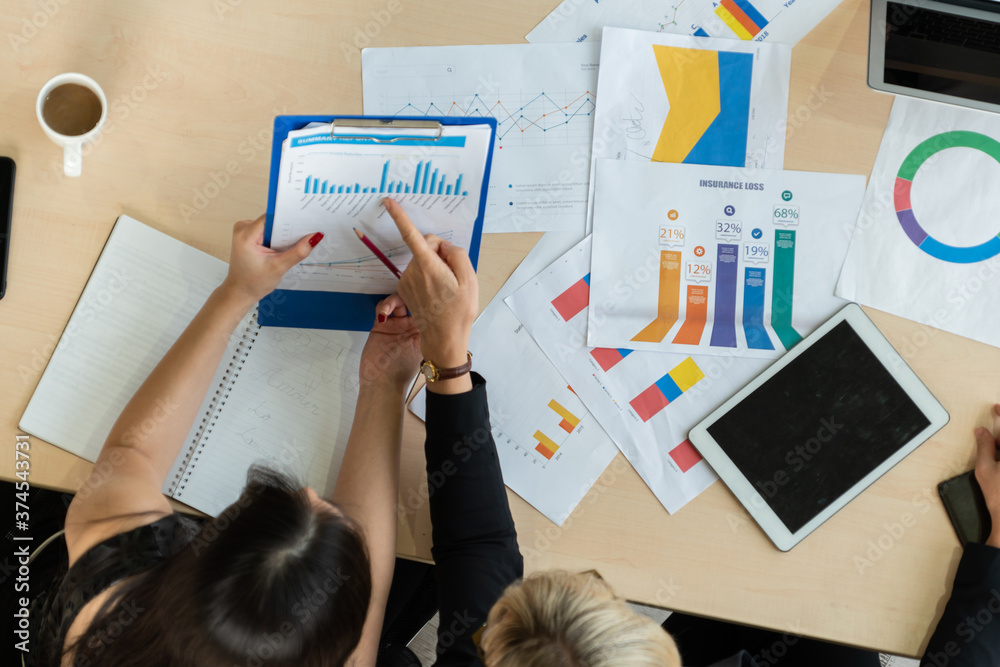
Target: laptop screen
x=942, y=53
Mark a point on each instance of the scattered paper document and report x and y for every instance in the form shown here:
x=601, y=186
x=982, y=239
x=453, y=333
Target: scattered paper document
x=715, y=260
x=551, y=449
x=543, y=99
x=669, y=98
x=757, y=20
x=646, y=401
x=332, y=183
x=927, y=243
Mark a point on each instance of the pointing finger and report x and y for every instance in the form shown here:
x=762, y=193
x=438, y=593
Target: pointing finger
x=411, y=235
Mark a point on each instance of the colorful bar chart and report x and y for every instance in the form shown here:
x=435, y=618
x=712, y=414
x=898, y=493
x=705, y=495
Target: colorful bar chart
x=783, y=288
x=569, y=420
x=424, y=182
x=742, y=18
x=695, y=316
x=608, y=357
x=574, y=300
x=668, y=301
x=685, y=455
x=724, y=326
x=667, y=389
x=753, y=309
x=546, y=445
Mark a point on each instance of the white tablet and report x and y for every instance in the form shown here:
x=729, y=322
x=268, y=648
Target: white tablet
x=818, y=427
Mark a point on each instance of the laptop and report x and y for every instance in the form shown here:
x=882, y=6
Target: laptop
x=942, y=50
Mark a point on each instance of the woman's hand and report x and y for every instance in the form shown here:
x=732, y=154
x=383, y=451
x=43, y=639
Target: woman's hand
x=988, y=472
x=392, y=353
x=440, y=288
x=254, y=269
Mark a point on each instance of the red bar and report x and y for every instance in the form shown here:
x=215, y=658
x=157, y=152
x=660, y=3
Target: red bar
x=649, y=403
x=606, y=357
x=566, y=426
x=685, y=455
x=572, y=301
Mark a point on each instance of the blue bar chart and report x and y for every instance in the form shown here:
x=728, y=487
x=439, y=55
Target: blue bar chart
x=427, y=179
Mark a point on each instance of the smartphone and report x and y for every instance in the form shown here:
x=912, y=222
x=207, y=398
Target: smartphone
x=6, y=209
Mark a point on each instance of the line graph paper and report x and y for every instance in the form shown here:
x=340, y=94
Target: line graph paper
x=525, y=118
x=543, y=99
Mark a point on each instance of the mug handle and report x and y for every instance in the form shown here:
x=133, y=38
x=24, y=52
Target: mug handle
x=72, y=159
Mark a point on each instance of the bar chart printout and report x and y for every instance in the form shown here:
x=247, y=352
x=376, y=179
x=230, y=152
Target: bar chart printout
x=696, y=259
x=333, y=183
x=424, y=182
x=646, y=401
x=555, y=472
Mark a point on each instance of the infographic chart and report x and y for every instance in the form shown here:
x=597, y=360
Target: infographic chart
x=926, y=245
x=550, y=446
x=646, y=401
x=544, y=99
x=715, y=260
x=668, y=98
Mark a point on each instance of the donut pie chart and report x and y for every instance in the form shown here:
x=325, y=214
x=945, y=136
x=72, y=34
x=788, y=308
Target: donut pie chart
x=904, y=210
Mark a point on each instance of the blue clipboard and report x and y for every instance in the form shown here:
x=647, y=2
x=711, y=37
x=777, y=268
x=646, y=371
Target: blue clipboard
x=343, y=310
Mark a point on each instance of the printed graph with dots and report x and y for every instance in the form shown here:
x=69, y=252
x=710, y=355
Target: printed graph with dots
x=527, y=118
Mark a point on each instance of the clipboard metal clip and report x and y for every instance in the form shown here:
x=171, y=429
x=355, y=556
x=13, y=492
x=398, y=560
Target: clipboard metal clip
x=385, y=124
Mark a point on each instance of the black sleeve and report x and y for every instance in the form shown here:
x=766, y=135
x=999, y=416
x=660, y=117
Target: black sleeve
x=475, y=544
x=968, y=634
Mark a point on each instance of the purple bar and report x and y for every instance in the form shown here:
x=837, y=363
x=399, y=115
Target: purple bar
x=911, y=226
x=724, y=326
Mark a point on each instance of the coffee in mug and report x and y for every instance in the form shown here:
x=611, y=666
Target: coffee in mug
x=72, y=109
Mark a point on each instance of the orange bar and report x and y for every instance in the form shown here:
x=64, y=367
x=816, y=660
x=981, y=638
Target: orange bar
x=742, y=17
x=566, y=426
x=695, y=317
x=546, y=445
x=669, y=299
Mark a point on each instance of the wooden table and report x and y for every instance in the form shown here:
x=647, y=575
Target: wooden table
x=193, y=86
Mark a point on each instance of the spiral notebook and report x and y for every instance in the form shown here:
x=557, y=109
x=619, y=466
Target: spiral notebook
x=281, y=397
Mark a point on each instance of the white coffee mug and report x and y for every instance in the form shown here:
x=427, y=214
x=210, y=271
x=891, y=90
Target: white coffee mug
x=72, y=145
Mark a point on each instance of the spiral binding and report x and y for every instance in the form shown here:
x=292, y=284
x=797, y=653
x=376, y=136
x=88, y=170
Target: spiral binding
x=211, y=416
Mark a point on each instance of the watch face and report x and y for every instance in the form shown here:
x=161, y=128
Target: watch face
x=428, y=371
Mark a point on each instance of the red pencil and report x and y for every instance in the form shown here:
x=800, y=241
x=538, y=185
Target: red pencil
x=378, y=253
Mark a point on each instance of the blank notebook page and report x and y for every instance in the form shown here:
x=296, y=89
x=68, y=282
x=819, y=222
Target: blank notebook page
x=143, y=292
x=289, y=406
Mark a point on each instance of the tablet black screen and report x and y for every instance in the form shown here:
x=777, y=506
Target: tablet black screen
x=819, y=426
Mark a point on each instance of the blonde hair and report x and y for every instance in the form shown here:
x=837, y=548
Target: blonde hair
x=557, y=619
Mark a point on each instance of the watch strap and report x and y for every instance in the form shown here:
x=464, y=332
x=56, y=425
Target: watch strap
x=448, y=373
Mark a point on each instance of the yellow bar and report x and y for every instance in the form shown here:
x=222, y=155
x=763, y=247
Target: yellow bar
x=547, y=441
x=733, y=24
x=564, y=413
x=686, y=374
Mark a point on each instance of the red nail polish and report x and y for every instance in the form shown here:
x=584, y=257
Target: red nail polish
x=381, y=318
x=316, y=238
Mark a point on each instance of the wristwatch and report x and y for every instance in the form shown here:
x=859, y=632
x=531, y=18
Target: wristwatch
x=435, y=374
